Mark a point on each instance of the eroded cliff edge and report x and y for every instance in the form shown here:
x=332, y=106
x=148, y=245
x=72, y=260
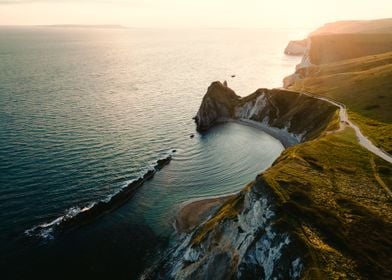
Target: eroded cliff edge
x=300, y=116
x=323, y=210
x=305, y=217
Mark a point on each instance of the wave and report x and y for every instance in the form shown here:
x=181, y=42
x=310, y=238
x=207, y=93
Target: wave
x=77, y=216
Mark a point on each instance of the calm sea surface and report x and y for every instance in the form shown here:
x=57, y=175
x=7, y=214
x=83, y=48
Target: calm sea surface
x=85, y=111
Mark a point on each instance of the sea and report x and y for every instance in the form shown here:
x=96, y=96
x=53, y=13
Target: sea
x=86, y=111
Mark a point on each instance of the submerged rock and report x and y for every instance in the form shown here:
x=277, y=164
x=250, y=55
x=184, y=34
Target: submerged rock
x=94, y=211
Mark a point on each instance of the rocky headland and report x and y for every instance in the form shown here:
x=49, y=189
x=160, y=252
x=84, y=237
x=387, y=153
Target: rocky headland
x=323, y=209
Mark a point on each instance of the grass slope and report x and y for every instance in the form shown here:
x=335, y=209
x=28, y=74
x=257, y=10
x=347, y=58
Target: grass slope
x=335, y=190
x=356, y=26
x=337, y=47
x=364, y=85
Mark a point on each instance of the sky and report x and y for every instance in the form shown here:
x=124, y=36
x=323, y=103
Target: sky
x=191, y=13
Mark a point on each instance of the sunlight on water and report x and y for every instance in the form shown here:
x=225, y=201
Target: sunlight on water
x=82, y=112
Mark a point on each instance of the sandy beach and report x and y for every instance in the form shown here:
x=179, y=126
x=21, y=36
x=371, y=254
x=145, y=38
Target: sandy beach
x=193, y=213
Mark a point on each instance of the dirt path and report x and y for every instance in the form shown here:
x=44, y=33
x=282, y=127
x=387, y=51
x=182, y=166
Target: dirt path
x=362, y=139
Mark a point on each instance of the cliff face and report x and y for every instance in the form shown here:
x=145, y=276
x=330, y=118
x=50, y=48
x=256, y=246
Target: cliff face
x=323, y=210
x=301, y=116
x=303, y=218
x=339, y=41
x=246, y=239
x=250, y=237
x=218, y=104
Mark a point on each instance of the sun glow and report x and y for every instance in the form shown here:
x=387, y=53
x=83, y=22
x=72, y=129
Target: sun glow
x=187, y=13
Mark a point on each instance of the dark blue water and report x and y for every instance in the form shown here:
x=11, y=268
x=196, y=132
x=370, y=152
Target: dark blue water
x=83, y=112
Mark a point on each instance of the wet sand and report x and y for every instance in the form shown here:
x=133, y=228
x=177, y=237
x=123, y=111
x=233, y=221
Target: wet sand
x=194, y=213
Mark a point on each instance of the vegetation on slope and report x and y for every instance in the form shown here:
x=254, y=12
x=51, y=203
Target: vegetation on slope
x=338, y=192
x=334, y=194
x=337, y=47
x=356, y=26
x=339, y=195
x=363, y=85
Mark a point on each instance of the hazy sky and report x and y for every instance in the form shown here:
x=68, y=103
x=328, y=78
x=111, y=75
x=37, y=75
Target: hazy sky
x=191, y=13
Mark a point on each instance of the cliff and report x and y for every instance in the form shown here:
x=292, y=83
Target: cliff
x=299, y=115
x=303, y=218
x=323, y=210
x=363, y=84
x=339, y=41
x=355, y=26
x=351, y=62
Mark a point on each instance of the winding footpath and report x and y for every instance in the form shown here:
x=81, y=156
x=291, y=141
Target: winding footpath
x=362, y=139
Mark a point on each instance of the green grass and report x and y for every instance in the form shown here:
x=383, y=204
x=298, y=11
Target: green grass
x=229, y=210
x=351, y=65
x=367, y=92
x=334, y=194
x=364, y=86
x=337, y=191
x=328, y=187
x=378, y=132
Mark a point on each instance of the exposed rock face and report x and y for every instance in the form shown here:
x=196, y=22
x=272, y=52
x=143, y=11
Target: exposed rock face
x=253, y=243
x=296, y=47
x=217, y=105
x=327, y=49
x=302, y=218
x=302, y=116
x=249, y=237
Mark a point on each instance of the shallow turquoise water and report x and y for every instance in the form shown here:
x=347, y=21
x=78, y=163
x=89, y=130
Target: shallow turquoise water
x=83, y=112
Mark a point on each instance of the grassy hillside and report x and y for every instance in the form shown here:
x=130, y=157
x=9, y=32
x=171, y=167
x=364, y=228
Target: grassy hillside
x=338, y=194
x=364, y=85
x=336, y=47
x=335, y=197
x=331, y=192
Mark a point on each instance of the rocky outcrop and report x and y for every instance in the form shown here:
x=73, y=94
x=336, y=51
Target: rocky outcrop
x=249, y=236
x=218, y=104
x=330, y=49
x=296, y=47
x=253, y=242
x=303, y=218
x=299, y=115
x=77, y=217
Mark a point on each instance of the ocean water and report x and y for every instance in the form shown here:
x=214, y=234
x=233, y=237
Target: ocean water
x=83, y=112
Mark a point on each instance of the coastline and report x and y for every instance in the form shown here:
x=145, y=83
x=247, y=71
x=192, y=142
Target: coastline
x=193, y=212
x=331, y=179
x=287, y=139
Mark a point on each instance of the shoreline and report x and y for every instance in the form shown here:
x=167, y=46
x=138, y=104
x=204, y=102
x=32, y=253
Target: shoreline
x=195, y=211
x=284, y=137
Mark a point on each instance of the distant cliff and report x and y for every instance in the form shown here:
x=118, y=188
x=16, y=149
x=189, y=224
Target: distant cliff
x=339, y=41
x=296, y=47
x=354, y=68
